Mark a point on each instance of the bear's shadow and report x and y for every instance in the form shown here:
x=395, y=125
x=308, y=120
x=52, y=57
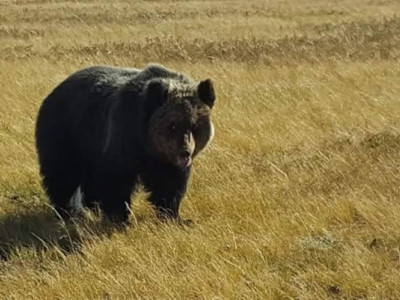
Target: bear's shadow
x=37, y=228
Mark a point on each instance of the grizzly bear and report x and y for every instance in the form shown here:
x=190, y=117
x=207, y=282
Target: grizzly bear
x=104, y=130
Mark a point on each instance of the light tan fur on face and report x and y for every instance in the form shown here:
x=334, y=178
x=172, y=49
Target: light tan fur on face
x=212, y=132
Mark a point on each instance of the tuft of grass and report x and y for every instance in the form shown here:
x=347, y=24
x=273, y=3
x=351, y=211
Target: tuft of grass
x=297, y=197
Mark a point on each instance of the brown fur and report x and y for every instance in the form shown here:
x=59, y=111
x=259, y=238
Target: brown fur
x=181, y=124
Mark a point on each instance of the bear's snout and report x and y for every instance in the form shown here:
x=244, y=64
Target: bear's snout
x=185, y=154
x=184, y=159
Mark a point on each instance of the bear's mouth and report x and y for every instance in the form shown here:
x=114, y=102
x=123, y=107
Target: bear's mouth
x=184, y=161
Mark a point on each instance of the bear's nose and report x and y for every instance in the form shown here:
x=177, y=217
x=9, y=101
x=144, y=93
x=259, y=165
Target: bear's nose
x=185, y=154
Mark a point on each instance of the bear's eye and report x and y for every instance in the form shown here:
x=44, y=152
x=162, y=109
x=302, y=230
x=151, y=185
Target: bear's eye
x=172, y=127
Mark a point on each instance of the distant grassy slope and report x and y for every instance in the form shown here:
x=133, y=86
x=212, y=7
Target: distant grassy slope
x=298, y=196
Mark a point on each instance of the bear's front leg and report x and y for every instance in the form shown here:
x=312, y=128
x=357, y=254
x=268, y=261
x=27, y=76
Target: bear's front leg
x=115, y=197
x=167, y=186
x=167, y=206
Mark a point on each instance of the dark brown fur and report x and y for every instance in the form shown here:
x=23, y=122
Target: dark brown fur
x=104, y=128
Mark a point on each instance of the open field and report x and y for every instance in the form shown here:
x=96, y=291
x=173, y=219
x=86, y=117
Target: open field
x=298, y=197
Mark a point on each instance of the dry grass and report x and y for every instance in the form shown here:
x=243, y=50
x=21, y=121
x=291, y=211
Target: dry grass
x=298, y=197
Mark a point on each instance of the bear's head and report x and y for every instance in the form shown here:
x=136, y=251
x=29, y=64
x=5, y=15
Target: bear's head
x=179, y=123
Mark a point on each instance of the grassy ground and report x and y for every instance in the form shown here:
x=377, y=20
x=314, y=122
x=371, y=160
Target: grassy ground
x=297, y=198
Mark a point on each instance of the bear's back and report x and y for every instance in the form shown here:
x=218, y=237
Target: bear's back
x=106, y=80
x=101, y=79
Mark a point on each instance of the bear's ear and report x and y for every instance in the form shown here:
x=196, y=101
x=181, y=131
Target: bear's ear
x=156, y=94
x=206, y=93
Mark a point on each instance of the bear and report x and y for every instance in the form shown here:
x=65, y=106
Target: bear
x=104, y=130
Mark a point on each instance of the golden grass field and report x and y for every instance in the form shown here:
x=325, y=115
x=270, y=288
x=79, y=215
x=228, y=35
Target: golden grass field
x=298, y=197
